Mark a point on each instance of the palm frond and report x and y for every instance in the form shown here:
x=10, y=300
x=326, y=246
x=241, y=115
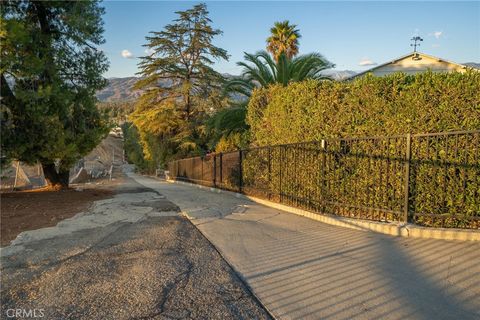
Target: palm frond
x=260, y=70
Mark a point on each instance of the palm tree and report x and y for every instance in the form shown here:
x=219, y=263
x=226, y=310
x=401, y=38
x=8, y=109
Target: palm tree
x=260, y=70
x=284, y=39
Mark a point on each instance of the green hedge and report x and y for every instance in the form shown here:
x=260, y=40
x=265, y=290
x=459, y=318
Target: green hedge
x=396, y=104
x=445, y=170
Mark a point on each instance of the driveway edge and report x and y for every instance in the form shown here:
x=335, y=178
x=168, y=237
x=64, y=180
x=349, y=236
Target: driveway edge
x=393, y=229
x=238, y=273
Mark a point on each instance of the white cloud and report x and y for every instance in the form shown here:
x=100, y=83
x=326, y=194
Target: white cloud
x=366, y=62
x=149, y=51
x=127, y=54
x=435, y=45
x=437, y=34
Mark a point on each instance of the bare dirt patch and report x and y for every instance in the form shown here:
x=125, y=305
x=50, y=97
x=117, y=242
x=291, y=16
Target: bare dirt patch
x=30, y=210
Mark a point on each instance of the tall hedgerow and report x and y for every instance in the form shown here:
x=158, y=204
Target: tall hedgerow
x=395, y=104
x=444, y=174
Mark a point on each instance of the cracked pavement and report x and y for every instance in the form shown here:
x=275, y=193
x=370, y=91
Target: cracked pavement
x=305, y=269
x=130, y=257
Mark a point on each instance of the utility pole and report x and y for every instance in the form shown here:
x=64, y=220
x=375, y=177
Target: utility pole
x=415, y=39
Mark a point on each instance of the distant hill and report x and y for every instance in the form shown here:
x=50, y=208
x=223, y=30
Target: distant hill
x=340, y=75
x=475, y=65
x=119, y=89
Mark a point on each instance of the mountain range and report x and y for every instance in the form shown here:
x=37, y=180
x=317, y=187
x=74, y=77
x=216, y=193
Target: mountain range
x=121, y=89
x=473, y=65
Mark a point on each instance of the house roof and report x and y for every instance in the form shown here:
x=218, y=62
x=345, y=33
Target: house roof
x=404, y=57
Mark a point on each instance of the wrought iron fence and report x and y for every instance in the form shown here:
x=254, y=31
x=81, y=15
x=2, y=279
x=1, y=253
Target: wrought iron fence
x=428, y=179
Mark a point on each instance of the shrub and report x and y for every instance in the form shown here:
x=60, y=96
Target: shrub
x=233, y=141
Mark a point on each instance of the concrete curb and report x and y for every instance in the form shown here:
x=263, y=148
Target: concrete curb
x=393, y=229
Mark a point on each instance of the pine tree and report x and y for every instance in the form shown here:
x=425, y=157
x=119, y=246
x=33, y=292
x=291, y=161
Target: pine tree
x=177, y=76
x=50, y=70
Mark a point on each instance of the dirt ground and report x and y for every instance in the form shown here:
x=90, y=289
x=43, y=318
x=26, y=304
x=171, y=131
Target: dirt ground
x=35, y=209
x=30, y=210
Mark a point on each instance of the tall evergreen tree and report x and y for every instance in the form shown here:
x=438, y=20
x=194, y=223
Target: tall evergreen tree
x=177, y=78
x=50, y=70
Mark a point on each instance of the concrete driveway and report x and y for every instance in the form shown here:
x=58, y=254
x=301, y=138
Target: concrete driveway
x=304, y=269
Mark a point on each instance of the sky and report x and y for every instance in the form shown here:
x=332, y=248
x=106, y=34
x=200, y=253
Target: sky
x=353, y=35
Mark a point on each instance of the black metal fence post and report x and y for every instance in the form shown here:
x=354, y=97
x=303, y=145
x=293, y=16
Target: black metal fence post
x=323, y=175
x=221, y=168
x=270, y=187
x=280, y=162
x=240, y=170
x=214, y=170
x=407, y=179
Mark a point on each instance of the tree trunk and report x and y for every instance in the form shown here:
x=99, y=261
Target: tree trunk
x=56, y=180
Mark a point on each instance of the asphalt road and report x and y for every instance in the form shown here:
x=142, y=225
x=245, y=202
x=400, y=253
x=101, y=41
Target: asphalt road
x=130, y=257
x=305, y=269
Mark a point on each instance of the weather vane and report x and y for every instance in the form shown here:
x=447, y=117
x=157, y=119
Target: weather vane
x=415, y=44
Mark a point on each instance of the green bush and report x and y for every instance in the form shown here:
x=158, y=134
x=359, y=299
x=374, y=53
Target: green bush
x=233, y=141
